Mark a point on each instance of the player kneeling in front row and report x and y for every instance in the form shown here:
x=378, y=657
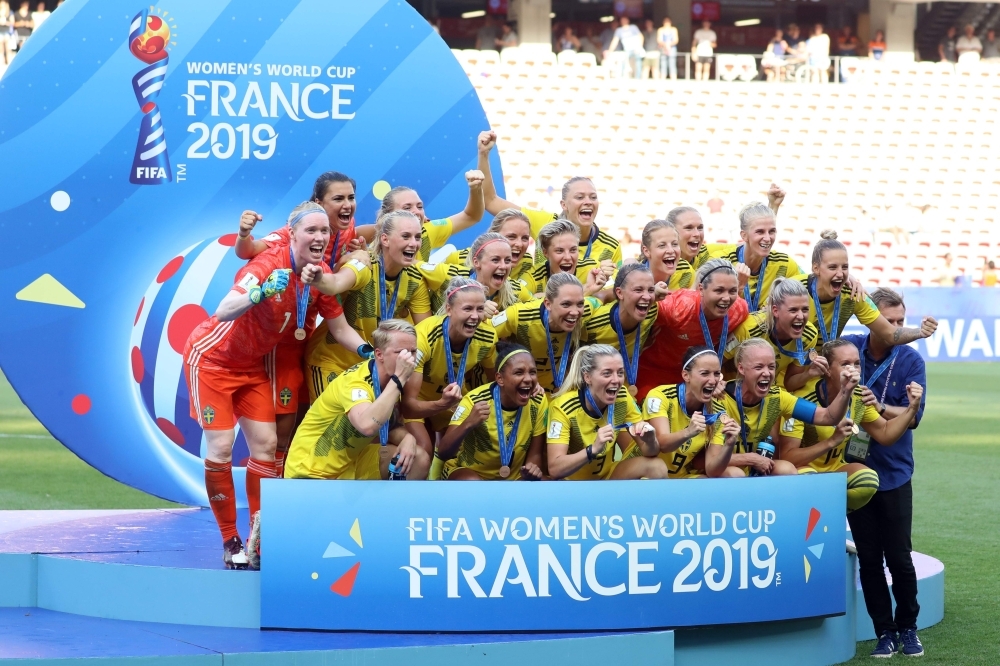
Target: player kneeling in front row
x=590, y=414
x=841, y=448
x=498, y=430
x=349, y=432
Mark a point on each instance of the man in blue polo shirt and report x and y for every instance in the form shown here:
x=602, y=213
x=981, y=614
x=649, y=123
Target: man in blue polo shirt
x=881, y=529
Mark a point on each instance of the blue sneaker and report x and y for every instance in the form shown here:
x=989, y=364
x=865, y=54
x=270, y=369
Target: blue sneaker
x=887, y=646
x=911, y=646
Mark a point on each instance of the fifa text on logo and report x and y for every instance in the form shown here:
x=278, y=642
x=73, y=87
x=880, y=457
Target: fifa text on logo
x=148, y=39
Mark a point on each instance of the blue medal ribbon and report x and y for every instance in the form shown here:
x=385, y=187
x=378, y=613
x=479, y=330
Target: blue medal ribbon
x=753, y=302
x=721, y=348
x=333, y=253
x=590, y=241
x=820, y=318
x=609, y=413
x=744, y=426
x=799, y=355
x=880, y=369
x=558, y=374
x=631, y=362
x=508, y=440
x=387, y=311
x=301, y=296
x=383, y=430
x=452, y=378
x=710, y=419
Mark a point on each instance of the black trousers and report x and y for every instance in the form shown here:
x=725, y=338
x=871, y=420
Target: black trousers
x=881, y=530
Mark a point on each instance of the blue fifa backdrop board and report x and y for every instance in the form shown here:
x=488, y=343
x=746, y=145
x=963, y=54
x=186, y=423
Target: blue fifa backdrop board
x=132, y=136
x=968, y=322
x=356, y=555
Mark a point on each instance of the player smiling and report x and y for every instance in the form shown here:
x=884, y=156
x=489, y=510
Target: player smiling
x=513, y=225
x=557, y=242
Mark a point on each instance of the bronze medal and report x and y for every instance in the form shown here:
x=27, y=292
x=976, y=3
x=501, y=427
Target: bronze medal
x=300, y=334
x=633, y=391
x=504, y=471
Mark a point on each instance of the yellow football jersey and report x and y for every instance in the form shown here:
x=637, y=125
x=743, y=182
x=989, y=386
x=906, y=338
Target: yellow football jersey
x=538, y=278
x=480, y=450
x=865, y=310
x=520, y=268
x=362, y=311
x=663, y=402
x=605, y=246
x=522, y=323
x=434, y=234
x=437, y=277
x=755, y=326
x=810, y=434
x=683, y=277
x=779, y=265
x=432, y=362
x=759, y=419
x=570, y=424
x=598, y=329
x=326, y=445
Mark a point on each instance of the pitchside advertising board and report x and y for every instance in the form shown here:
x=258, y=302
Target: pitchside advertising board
x=132, y=136
x=968, y=322
x=355, y=555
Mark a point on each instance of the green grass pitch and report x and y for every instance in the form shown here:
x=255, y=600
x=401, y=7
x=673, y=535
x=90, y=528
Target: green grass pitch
x=956, y=497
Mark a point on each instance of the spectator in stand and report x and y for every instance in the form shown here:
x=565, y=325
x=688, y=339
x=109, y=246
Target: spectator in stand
x=818, y=48
x=945, y=276
x=793, y=36
x=507, y=38
x=989, y=274
x=630, y=38
x=651, y=48
x=667, y=40
x=796, y=54
x=877, y=47
x=38, y=16
x=591, y=44
x=607, y=35
x=991, y=47
x=703, y=48
x=23, y=25
x=847, y=42
x=7, y=40
x=568, y=41
x=946, y=48
x=774, y=56
x=969, y=43
x=486, y=36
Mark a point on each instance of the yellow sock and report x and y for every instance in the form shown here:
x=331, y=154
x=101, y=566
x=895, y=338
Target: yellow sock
x=437, y=465
x=861, y=487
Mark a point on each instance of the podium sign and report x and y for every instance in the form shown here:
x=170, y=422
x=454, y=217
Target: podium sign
x=602, y=555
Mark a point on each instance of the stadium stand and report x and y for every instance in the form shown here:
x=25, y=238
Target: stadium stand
x=900, y=161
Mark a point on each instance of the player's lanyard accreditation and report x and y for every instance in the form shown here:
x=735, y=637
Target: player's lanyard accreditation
x=631, y=361
x=449, y=363
x=507, y=441
x=820, y=317
x=557, y=373
x=383, y=430
x=710, y=419
x=753, y=302
x=707, y=334
x=744, y=426
x=387, y=311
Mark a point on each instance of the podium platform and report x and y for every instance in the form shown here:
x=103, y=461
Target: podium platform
x=149, y=585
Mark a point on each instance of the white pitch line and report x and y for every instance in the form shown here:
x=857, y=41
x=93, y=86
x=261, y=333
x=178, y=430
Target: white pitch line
x=7, y=435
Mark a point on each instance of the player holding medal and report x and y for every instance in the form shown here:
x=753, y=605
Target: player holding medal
x=709, y=314
x=842, y=448
x=513, y=225
x=661, y=251
x=450, y=345
x=590, y=414
x=687, y=421
x=627, y=322
x=498, y=430
x=348, y=433
x=557, y=243
x=551, y=329
x=784, y=322
x=224, y=360
x=396, y=289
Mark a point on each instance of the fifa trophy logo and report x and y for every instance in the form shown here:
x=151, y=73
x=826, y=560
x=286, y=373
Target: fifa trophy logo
x=148, y=38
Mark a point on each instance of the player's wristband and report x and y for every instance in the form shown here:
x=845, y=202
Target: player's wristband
x=590, y=453
x=882, y=407
x=365, y=350
x=255, y=295
x=399, y=384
